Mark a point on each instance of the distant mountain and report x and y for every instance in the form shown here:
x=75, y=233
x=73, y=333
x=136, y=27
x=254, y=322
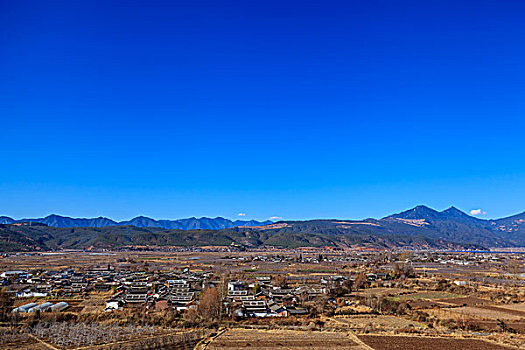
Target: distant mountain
x=447, y=226
x=422, y=212
x=512, y=220
x=456, y=214
x=140, y=221
x=455, y=225
x=512, y=227
x=417, y=213
x=417, y=228
x=64, y=221
x=6, y=220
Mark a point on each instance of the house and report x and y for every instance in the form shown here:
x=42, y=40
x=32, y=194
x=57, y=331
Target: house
x=308, y=293
x=241, y=298
x=277, y=310
x=384, y=276
x=102, y=287
x=112, y=305
x=264, y=281
x=135, y=299
x=44, y=288
x=371, y=277
x=30, y=292
x=232, y=295
x=256, y=308
x=181, y=301
x=285, y=295
x=16, y=273
x=236, y=285
x=177, y=283
x=296, y=311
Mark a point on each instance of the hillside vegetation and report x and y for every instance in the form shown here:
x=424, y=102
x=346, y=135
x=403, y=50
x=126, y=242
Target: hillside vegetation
x=420, y=227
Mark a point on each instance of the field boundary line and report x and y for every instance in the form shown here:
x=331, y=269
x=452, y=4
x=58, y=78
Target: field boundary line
x=203, y=344
x=43, y=342
x=442, y=336
x=126, y=341
x=356, y=339
x=353, y=336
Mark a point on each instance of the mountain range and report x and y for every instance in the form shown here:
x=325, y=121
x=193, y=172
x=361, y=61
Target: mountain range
x=419, y=227
x=204, y=223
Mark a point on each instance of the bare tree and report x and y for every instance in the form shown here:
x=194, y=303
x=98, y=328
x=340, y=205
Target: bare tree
x=210, y=303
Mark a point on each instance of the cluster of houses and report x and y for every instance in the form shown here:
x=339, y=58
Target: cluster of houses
x=181, y=291
x=258, y=296
x=65, y=283
x=261, y=299
x=177, y=290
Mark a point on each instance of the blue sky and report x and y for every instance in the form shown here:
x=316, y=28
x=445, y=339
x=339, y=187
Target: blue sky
x=296, y=109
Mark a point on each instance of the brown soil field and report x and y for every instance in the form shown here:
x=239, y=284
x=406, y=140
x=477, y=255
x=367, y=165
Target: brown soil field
x=93, y=304
x=427, y=295
x=379, y=342
x=465, y=301
x=75, y=309
x=492, y=313
x=424, y=304
x=26, y=344
x=283, y=339
x=384, y=322
x=382, y=291
x=519, y=327
x=504, y=309
x=32, y=346
x=517, y=307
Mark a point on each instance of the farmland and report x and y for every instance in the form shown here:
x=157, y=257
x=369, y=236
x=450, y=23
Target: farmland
x=216, y=299
x=487, y=312
x=283, y=339
x=426, y=343
x=364, y=323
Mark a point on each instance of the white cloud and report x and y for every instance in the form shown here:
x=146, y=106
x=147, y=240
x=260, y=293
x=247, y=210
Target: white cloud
x=241, y=214
x=273, y=218
x=477, y=212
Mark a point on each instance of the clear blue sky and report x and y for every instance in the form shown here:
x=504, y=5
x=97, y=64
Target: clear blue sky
x=296, y=109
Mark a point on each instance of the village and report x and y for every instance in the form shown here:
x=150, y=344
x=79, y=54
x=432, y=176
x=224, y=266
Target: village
x=260, y=296
x=425, y=293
